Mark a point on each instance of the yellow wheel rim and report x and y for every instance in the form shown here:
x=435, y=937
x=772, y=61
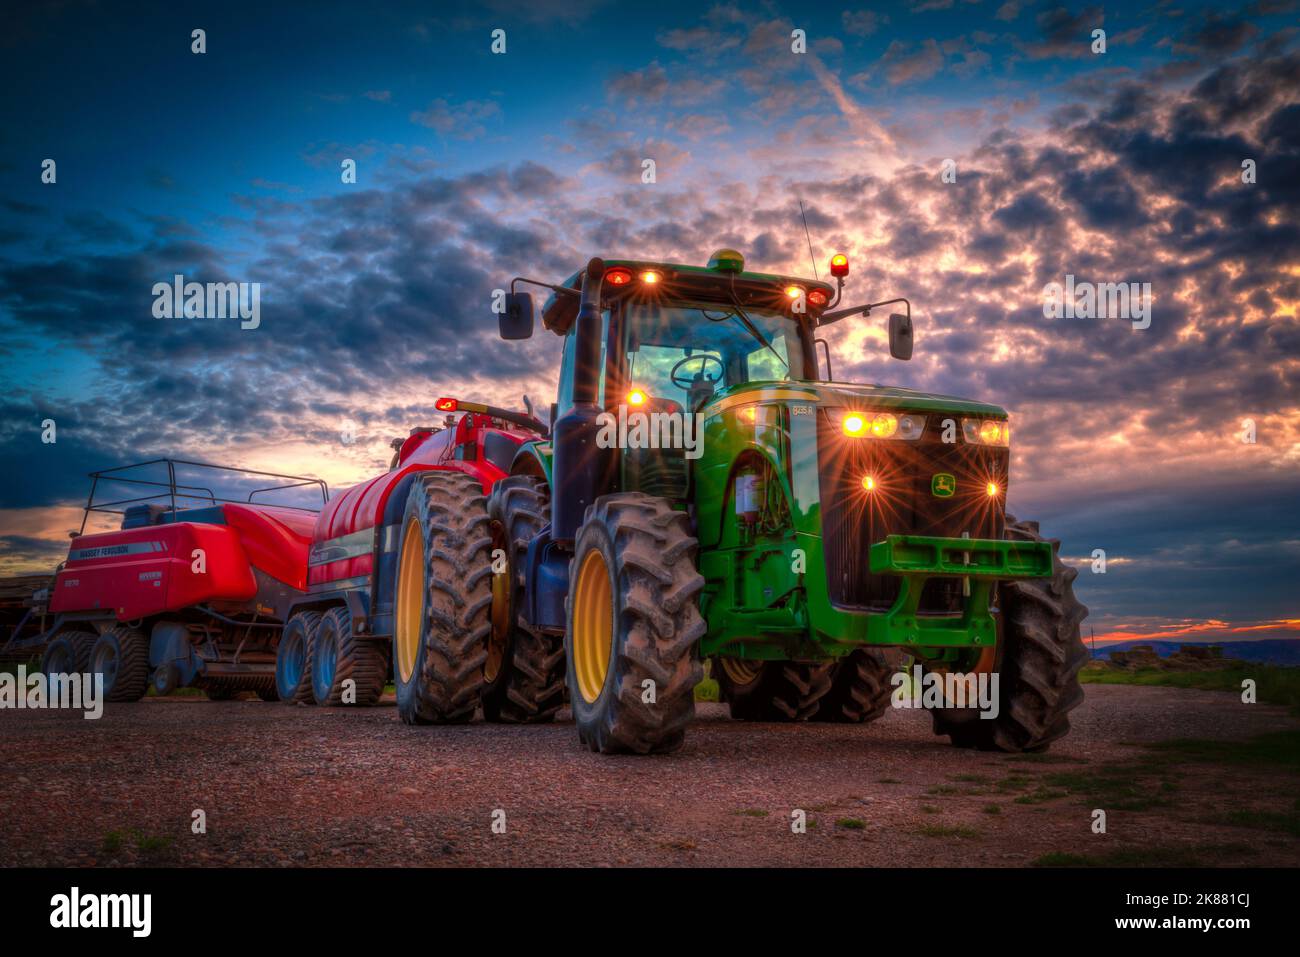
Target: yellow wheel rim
x=593, y=625
x=500, y=614
x=410, y=599
x=741, y=672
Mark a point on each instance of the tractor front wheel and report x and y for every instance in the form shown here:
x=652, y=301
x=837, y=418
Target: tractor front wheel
x=860, y=689
x=1037, y=661
x=634, y=626
x=524, y=669
x=773, y=690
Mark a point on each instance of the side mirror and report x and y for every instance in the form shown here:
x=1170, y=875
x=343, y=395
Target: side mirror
x=517, y=320
x=900, y=336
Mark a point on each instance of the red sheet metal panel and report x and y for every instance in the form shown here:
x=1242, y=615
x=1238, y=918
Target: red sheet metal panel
x=144, y=571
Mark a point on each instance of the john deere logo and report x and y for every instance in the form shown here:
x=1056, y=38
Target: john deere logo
x=943, y=485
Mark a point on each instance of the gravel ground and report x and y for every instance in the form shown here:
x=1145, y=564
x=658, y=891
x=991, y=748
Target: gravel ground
x=305, y=786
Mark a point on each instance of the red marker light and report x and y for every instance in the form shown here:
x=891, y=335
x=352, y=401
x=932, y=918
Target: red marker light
x=445, y=405
x=618, y=276
x=817, y=298
x=839, y=265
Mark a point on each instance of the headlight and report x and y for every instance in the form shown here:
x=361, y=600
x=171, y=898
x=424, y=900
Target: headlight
x=986, y=432
x=879, y=425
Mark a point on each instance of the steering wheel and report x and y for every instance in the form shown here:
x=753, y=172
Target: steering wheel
x=703, y=359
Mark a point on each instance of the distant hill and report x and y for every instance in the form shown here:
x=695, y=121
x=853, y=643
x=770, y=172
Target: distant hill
x=1271, y=651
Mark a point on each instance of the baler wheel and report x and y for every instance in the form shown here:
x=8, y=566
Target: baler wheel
x=525, y=670
x=443, y=599
x=69, y=653
x=338, y=655
x=1038, y=657
x=860, y=689
x=775, y=690
x=293, y=658
x=121, y=655
x=634, y=625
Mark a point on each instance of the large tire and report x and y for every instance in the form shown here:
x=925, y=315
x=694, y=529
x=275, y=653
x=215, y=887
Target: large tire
x=442, y=600
x=293, y=658
x=775, y=690
x=525, y=670
x=338, y=654
x=633, y=617
x=1038, y=659
x=860, y=689
x=121, y=655
x=69, y=653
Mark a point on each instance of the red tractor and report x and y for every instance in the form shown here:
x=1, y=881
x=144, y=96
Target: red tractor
x=192, y=589
x=399, y=557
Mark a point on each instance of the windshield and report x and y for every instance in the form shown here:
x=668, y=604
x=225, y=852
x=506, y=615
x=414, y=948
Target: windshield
x=709, y=347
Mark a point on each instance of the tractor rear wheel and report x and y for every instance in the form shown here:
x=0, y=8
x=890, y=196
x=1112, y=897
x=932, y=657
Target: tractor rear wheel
x=1037, y=661
x=634, y=625
x=773, y=690
x=524, y=670
x=293, y=658
x=121, y=655
x=339, y=655
x=860, y=689
x=68, y=654
x=443, y=599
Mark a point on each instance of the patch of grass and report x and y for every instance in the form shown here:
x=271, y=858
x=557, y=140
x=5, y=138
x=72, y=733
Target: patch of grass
x=751, y=812
x=1117, y=788
x=1044, y=757
x=851, y=823
x=1196, y=855
x=889, y=781
x=970, y=778
x=1284, y=822
x=1041, y=794
x=1060, y=859
x=943, y=789
x=929, y=809
x=1274, y=750
x=992, y=808
x=146, y=844
x=946, y=830
x=1274, y=684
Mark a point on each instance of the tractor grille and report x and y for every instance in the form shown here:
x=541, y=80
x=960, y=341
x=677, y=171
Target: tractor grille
x=901, y=504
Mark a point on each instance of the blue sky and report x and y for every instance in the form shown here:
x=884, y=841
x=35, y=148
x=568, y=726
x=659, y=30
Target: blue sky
x=474, y=167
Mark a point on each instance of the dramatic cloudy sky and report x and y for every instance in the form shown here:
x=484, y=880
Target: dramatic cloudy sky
x=473, y=167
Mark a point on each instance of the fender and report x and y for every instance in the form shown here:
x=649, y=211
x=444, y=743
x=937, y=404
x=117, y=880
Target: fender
x=534, y=458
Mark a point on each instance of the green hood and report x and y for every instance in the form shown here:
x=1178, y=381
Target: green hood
x=838, y=394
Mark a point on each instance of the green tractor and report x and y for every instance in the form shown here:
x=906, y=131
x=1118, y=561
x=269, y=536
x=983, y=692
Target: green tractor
x=707, y=492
